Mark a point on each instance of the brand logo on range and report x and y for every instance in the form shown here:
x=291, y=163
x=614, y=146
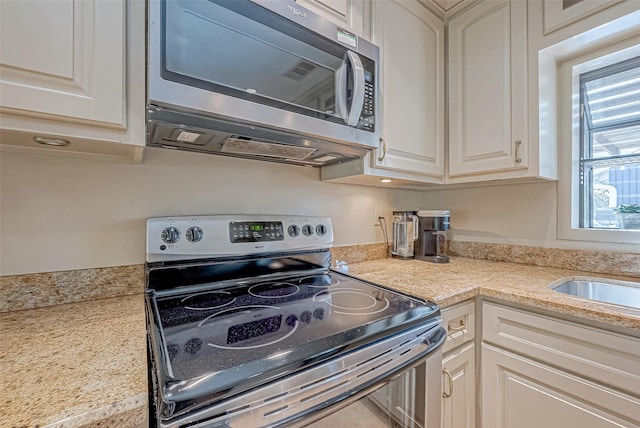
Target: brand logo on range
x=296, y=11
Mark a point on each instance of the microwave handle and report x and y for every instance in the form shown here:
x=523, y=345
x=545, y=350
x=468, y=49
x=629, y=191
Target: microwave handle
x=351, y=116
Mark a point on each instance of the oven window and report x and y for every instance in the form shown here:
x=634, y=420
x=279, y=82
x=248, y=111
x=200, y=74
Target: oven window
x=399, y=404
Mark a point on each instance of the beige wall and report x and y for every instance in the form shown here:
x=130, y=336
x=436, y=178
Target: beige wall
x=59, y=214
x=519, y=214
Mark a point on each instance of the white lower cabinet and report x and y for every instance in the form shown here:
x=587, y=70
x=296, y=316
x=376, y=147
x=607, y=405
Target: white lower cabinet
x=458, y=367
x=522, y=393
x=539, y=371
x=458, y=389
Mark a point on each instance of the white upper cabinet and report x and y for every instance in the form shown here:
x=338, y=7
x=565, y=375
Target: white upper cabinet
x=63, y=73
x=351, y=14
x=64, y=58
x=411, y=40
x=560, y=13
x=411, y=103
x=488, y=89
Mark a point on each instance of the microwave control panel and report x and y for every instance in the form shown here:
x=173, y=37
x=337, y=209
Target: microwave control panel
x=367, y=117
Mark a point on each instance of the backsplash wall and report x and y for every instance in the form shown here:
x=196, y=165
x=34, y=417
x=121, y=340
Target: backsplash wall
x=62, y=214
x=59, y=214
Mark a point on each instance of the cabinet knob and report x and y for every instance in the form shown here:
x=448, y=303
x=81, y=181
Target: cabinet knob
x=382, y=147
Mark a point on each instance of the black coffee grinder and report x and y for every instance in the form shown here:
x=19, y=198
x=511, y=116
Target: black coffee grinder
x=431, y=244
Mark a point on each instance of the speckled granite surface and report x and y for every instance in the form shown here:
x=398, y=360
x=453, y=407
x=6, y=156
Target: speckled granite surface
x=54, y=288
x=75, y=365
x=464, y=278
x=608, y=262
x=359, y=253
x=83, y=364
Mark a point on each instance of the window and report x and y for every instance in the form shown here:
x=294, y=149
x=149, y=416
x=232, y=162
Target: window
x=594, y=111
x=609, y=162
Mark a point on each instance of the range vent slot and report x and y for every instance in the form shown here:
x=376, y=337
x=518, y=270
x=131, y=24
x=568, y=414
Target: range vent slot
x=324, y=391
x=275, y=412
x=371, y=370
x=276, y=397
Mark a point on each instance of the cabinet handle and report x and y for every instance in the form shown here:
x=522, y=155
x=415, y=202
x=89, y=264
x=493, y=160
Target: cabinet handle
x=461, y=327
x=445, y=394
x=518, y=158
x=382, y=147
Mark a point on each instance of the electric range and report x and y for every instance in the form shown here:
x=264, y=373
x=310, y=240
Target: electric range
x=248, y=325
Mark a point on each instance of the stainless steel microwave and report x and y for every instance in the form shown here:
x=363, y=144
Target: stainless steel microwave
x=265, y=79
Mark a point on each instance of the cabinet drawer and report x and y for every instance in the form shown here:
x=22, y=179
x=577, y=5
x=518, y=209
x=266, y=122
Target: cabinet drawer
x=606, y=357
x=459, y=321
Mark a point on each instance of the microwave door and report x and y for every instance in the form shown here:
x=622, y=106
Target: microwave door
x=350, y=88
x=258, y=56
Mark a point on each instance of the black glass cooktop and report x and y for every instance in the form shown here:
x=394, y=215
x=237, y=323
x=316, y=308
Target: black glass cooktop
x=217, y=342
x=212, y=330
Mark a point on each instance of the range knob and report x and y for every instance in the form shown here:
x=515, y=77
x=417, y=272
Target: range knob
x=194, y=234
x=307, y=230
x=293, y=230
x=170, y=235
x=321, y=229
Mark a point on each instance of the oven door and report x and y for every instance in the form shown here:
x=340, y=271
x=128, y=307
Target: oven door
x=411, y=400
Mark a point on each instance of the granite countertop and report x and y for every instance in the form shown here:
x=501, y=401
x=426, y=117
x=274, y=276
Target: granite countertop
x=75, y=365
x=83, y=364
x=464, y=278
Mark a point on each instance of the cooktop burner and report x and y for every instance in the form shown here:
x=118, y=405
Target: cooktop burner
x=207, y=300
x=350, y=301
x=273, y=290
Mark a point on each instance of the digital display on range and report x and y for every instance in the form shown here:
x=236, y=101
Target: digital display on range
x=240, y=332
x=255, y=231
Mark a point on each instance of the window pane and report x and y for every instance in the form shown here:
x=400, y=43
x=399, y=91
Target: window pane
x=613, y=186
x=613, y=99
x=610, y=155
x=616, y=142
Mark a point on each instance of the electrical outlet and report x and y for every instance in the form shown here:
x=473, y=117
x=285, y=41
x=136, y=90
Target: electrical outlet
x=377, y=213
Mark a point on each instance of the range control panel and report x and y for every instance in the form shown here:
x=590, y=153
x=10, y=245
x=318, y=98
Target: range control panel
x=247, y=231
x=194, y=237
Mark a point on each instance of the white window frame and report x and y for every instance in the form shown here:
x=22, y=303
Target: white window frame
x=569, y=140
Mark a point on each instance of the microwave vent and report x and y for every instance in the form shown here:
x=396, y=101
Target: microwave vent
x=239, y=146
x=300, y=70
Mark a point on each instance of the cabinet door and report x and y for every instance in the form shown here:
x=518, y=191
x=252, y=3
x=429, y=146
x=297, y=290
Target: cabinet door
x=348, y=13
x=411, y=41
x=560, y=13
x=517, y=392
x=64, y=59
x=488, y=88
x=459, y=384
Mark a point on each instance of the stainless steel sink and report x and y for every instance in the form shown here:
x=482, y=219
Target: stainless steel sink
x=620, y=293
